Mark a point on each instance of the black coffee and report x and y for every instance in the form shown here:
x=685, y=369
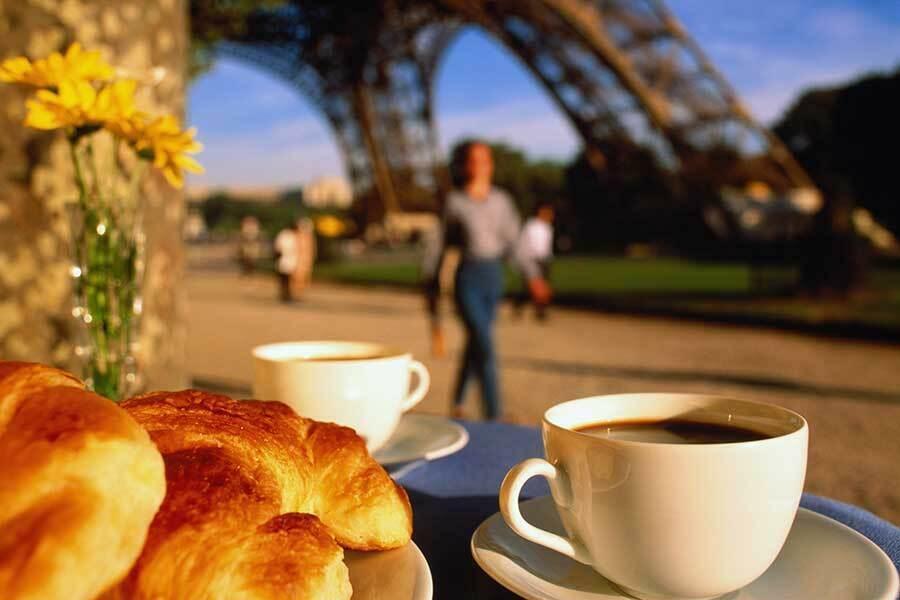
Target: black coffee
x=673, y=431
x=344, y=357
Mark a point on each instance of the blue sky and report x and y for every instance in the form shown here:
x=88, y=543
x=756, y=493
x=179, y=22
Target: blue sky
x=259, y=132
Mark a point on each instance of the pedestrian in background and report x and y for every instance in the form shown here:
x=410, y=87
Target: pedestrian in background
x=286, y=247
x=248, y=245
x=482, y=220
x=536, y=246
x=306, y=257
x=295, y=253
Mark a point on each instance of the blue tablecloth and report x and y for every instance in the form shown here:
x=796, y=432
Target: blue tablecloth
x=453, y=495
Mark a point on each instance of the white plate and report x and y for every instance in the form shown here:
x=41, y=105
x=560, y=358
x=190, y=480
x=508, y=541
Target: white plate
x=422, y=437
x=400, y=574
x=821, y=560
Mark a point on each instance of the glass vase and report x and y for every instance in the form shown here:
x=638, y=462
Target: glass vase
x=107, y=271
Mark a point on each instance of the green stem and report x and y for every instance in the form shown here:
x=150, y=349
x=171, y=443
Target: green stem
x=109, y=283
x=94, y=172
x=79, y=175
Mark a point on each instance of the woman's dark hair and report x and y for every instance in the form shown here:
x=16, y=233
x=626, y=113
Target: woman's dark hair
x=542, y=204
x=458, y=157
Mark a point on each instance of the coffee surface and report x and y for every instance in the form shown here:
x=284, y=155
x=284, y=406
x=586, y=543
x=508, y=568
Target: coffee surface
x=672, y=431
x=339, y=357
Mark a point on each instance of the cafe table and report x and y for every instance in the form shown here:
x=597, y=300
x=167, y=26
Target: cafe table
x=451, y=496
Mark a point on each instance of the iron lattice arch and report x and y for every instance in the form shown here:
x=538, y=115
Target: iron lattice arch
x=618, y=69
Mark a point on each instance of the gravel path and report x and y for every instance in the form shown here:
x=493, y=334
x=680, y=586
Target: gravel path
x=849, y=391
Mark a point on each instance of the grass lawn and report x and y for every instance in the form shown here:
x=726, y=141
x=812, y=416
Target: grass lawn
x=401, y=274
x=707, y=290
x=576, y=275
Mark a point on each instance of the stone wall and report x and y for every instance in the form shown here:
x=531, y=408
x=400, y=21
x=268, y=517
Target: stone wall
x=36, y=182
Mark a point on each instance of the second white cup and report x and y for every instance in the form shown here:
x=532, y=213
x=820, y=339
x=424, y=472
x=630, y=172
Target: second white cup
x=358, y=384
x=667, y=521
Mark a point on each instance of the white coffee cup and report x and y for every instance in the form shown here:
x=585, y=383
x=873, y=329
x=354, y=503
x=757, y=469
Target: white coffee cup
x=667, y=521
x=361, y=385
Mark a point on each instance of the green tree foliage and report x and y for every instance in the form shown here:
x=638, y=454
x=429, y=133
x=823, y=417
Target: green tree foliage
x=605, y=198
x=213, y=21
x=214, y=209
x=223, y=214
x=618, y=194
x=529, y=182
x=844, y=137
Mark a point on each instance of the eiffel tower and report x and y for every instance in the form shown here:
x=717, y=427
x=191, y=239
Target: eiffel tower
x=616, y=68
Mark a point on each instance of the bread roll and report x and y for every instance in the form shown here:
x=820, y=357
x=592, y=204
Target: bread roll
x=80, y=482
x=260, y=502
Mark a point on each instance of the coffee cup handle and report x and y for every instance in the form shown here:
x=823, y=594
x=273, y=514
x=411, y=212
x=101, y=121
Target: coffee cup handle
x=509, y=507
x=422, y=386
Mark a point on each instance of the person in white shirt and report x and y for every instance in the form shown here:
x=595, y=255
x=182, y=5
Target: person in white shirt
x=295, y=253
x=286, y=259
x=536, y=245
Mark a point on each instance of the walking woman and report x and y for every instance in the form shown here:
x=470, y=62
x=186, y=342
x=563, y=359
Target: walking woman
x=482, y=220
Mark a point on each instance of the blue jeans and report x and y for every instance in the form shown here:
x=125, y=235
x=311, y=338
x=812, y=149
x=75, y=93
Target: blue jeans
x=479, y=288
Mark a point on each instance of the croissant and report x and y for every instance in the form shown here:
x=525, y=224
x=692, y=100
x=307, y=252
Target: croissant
x=260, y=502
x=80, y=482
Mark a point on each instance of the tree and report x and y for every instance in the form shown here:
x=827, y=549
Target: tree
x=214, y=209
x=867, y=126
x=529, y=182
x=213, y=21
x=617, y=194
x=841, y=135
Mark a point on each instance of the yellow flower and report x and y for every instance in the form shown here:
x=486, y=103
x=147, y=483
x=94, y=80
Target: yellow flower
x=78, y=104
x=115, y=108
x=50, y=72
x=169, y=147
x=70, y=100
x=70, y=107
x=129, y=128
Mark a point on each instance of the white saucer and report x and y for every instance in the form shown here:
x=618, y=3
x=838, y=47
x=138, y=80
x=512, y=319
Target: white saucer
x=400, y=574
x=422, y=437
x=821, y=560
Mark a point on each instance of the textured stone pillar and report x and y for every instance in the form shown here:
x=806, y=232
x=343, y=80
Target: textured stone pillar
x=36, y=182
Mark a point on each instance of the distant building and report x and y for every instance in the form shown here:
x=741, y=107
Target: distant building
x=328, y=192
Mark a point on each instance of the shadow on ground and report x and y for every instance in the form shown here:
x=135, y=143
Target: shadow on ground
x=759, y=382
x=694, y=376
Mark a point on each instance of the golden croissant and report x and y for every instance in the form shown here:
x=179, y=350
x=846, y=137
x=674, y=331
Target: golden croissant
x=80, y=482
x=244, y=481
x=258, y=501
